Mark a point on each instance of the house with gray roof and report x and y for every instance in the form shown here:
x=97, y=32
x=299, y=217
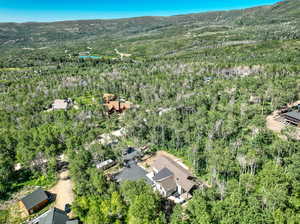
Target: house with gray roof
x=34, y=201
x=130, y=154
x=54, y=216
x=132, y=172
x=171, y=178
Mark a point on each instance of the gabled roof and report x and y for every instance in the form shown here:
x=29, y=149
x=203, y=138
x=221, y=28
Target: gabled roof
x=181, y=175
x=132, y=173
x=131, y=153
x=54, y=216
x=34, y=198
x=168, y=183
x=163, y=174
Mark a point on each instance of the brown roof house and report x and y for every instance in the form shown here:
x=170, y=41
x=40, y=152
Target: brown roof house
x=114, y=105
x=118, y=106
x=107, y=97
x=34, y=202
x=170, y=178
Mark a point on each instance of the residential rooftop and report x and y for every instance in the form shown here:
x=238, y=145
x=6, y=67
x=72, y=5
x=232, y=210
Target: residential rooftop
x=181, y=175
x=293, y=114
x=133, y=173
x=33, y=199
x=54, y=216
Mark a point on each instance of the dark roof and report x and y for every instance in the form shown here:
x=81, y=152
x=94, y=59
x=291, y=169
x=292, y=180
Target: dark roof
x=34, y=198
x=293, y=114
x=168, y=184
x=133, y=173
x=162, y=174
x=54, y=216
x=130, y=154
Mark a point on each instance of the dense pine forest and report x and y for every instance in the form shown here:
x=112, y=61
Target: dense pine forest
x=204, y=85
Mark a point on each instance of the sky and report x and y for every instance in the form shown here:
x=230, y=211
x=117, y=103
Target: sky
x=58, y=10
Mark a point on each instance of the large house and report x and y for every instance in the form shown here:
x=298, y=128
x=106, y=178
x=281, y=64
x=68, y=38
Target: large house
x=171, y=178
x=118, y=106
x=114, y=105
x=34, y=202
x=132, y=171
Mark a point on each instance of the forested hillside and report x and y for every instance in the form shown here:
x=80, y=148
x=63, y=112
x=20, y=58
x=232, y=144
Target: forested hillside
x=216, y=76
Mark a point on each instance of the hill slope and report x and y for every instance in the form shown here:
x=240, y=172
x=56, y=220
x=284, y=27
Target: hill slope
x=31, y=34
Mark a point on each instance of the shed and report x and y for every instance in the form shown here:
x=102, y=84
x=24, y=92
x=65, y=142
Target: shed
x=106, y=164
x=34, y=202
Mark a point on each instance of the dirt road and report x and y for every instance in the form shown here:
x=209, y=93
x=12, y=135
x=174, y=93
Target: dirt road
x=63, y=190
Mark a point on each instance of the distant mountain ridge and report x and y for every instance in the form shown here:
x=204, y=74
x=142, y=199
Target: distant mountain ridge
x=30, y=34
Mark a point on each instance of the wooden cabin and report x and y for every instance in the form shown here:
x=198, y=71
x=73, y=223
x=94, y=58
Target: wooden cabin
x=34, y=201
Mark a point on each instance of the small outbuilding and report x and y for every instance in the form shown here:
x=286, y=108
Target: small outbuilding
x=34, y=202
x=106, y=164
